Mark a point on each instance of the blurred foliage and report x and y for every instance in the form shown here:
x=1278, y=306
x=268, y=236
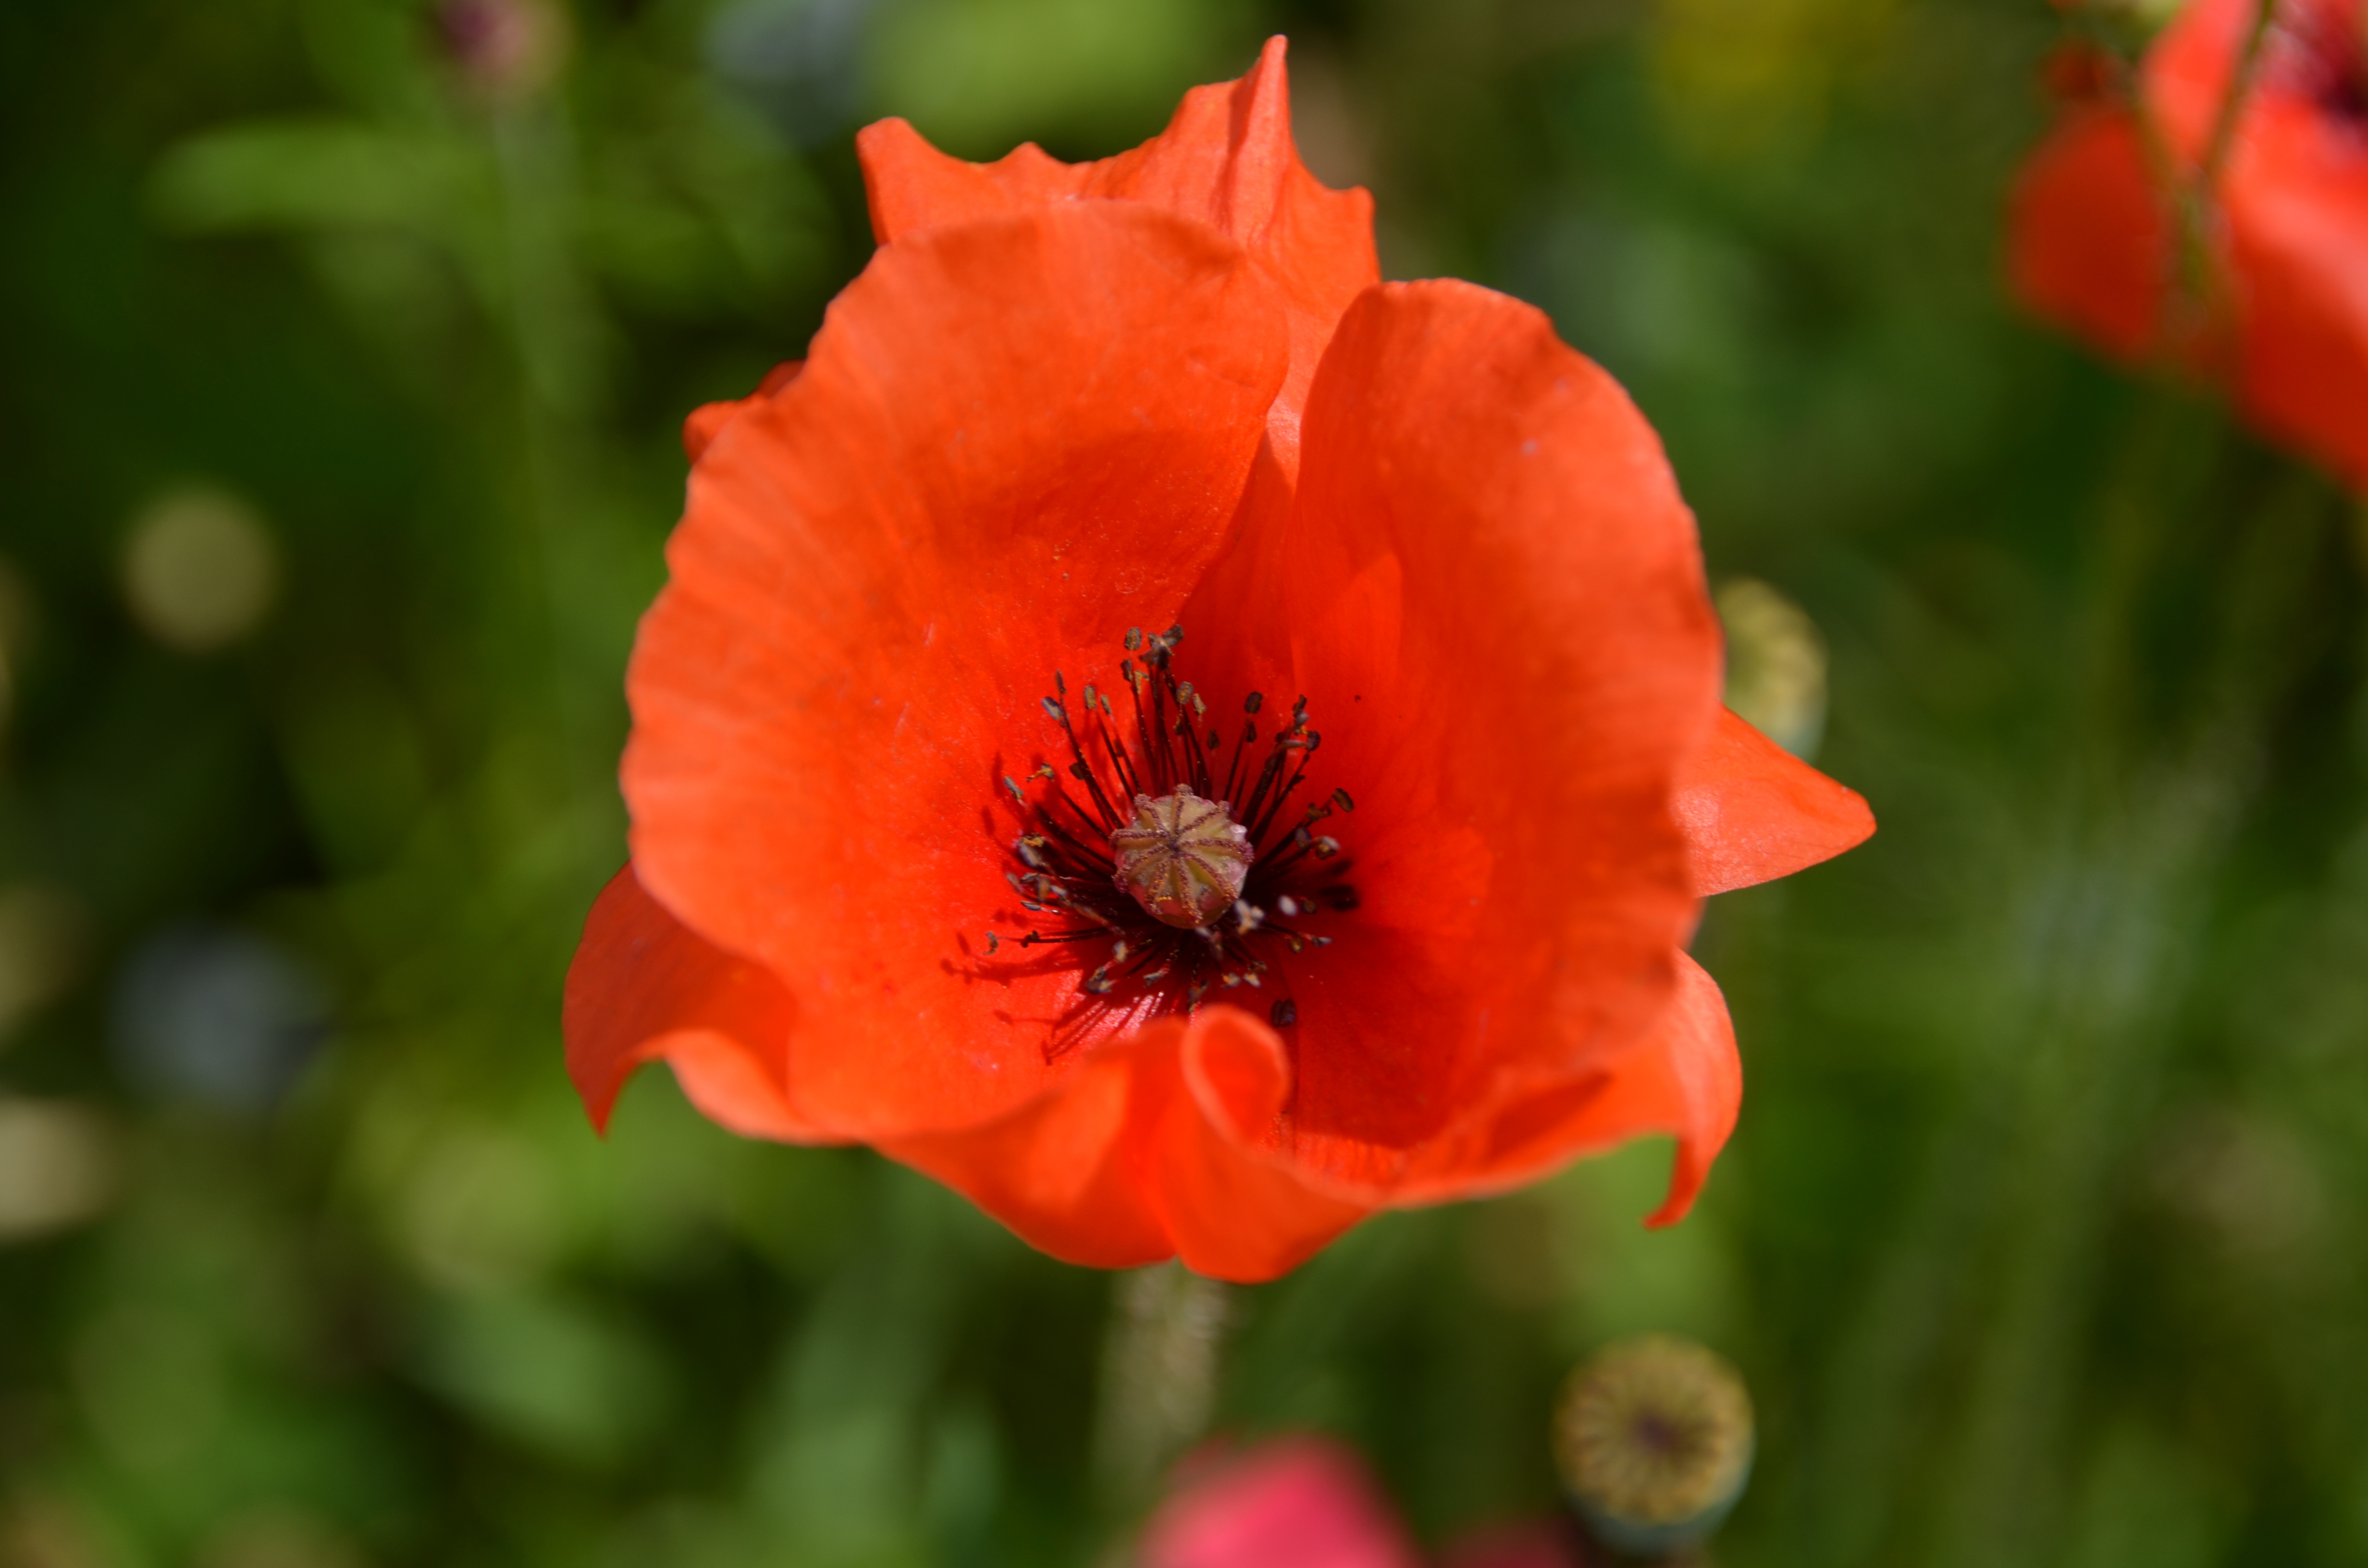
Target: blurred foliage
x=343, y=345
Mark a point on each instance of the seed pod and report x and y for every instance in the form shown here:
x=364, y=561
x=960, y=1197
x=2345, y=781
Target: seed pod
x=1653, y=1438
x=1183, y=858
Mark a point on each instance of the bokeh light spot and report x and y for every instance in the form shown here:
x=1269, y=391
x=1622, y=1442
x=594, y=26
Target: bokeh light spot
x=199, y=570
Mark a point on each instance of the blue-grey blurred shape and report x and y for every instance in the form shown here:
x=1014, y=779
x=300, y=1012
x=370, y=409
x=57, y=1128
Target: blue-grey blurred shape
x=215, y=1015
x=800, y=60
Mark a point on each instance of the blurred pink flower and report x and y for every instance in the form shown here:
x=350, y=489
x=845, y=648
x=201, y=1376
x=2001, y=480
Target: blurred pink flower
x=1300, y=1503
x=1310, y=1503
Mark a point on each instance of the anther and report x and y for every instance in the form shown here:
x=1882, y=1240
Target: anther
x=1155, y=820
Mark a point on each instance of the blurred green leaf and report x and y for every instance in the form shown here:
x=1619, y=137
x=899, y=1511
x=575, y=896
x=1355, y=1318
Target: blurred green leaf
x=323, y=174
x=976, y=75
x=552, y=1373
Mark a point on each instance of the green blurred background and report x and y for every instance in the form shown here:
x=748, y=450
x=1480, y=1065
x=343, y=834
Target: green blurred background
x=343, y=348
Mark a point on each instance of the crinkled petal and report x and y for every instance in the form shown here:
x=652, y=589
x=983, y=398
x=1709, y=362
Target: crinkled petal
x=1236, y=1207
x=1752, y=811
x=1013, y=439
x=1684, y=1079
x=1491, y=594
x=1226, y=159
x=645, y=987
x=1151, y=1149
x=1066, y=1171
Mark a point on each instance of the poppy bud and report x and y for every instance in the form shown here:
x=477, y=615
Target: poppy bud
x=506, y=49
x=1653, y=1438
x=1183, y=858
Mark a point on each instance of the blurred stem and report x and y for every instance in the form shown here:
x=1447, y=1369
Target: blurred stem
x=2197, y=312
x=554, y=334
x=2232, y=102
x=1160, y=1365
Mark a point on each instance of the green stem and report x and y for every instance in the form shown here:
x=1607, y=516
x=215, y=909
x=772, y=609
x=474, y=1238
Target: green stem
x=2232, y=102
x=554, y=330
x=1160, y=1368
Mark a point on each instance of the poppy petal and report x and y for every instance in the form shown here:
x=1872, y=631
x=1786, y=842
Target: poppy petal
x=2295, y=193
x=707, y=421
x=1684, y=1078
x=1063, y=1171
x=1235, y=1210
x=1013, y=439
x=2297, y=203
x=2088, y=241
x=645, y=987
x=1752, y=811
x=1691, y=1067
x=1149, y=1150
x=1491, y=594
x=1226, y=159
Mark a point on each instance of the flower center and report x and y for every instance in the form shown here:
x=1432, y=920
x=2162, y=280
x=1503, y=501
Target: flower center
x=1187, y=891
x=1183, y=858
x=2321, y=52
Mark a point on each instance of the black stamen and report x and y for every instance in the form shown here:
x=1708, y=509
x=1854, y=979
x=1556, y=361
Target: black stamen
x=1266, y=776
x=1064, y=863
x=1085, y=773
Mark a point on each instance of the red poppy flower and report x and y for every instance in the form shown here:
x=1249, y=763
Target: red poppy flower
x=2096, y=241
x=1182, y=741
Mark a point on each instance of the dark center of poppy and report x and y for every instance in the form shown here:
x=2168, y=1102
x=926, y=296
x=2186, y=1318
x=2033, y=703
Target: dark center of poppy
x=2320, y=52
x=1187, y=891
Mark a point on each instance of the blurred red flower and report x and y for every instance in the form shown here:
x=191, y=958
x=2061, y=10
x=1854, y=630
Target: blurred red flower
x=2096, y=234
x=887, y=771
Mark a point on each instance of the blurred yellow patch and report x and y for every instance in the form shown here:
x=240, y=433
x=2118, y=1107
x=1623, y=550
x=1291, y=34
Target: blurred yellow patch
x=58, y=1167
x=1775, y=664
x=199, y=569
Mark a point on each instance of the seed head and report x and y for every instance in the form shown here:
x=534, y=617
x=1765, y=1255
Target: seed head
x=1183, y=858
